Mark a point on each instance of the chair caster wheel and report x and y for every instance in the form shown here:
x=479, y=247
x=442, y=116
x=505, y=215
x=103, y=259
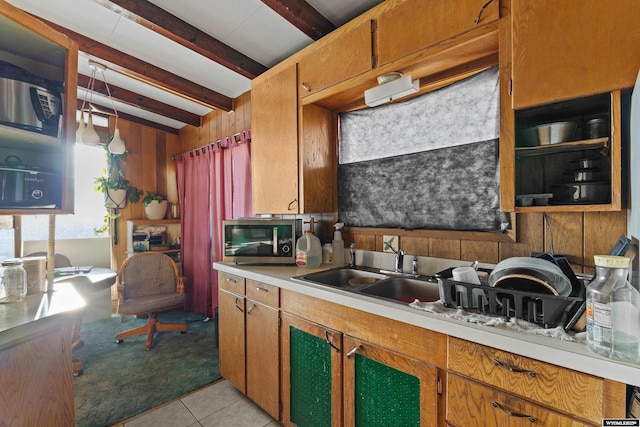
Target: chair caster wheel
x=78, y=373
x=119, y=341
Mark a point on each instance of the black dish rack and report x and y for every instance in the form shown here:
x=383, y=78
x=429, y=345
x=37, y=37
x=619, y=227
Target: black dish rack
x=548, y=311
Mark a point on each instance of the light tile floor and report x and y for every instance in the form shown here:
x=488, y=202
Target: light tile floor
x=218, y=404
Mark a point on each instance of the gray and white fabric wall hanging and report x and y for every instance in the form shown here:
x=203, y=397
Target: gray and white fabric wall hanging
x=431, y=162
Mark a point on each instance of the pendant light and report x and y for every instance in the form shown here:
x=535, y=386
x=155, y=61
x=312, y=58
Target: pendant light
x=89, y=135
x=81, y=128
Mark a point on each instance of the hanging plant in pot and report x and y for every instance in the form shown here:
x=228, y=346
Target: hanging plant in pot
x=155, y=206
x=116, y=189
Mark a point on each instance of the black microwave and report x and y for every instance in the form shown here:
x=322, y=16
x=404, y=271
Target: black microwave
x=261, y=240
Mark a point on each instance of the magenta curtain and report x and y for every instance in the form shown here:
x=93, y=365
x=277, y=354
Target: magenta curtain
x=193, y=170
x=214, y=184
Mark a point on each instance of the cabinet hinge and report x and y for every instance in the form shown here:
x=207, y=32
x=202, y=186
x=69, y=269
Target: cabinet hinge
x=374, y=26
x=279, y=322
x=439, y=385
x=374, y=61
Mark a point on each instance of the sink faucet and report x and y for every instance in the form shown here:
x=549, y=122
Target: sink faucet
x=352, y=256
x=399, y=257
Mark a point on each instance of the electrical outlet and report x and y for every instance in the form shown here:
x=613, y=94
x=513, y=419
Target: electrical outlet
x=394, y=241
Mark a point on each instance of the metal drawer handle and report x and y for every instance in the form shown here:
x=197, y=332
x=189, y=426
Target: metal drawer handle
x=231, y=280
x=328, y=340
x=238, y=304
x=512, y=369
x=512, y=414
x=354, y=351
x=258, y=288
x=305, y=86
x=250, y=309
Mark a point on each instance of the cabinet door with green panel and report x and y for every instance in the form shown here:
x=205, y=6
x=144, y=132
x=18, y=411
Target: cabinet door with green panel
x=311, y=374
x=386, y=389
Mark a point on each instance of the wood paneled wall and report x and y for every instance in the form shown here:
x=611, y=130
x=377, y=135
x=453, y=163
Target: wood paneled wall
x=148, y=167
x=218, y=124
x=578, y=235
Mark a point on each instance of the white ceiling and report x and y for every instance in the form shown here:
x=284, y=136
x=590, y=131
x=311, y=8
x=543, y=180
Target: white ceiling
x=248, y=26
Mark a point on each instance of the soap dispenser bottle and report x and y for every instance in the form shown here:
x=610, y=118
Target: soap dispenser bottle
x=338, y=245
x=309, y=249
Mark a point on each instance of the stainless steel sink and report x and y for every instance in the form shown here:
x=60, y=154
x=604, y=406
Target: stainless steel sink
x=340, y=277
x=403, y=289
x=370, y=281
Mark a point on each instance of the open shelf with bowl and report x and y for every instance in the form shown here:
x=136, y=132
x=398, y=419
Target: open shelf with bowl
x=568, y=155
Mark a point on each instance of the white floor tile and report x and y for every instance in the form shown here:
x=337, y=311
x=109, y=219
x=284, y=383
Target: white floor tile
x=218, y=404
x=243, y=413
x=211, y=399
x=174, y=414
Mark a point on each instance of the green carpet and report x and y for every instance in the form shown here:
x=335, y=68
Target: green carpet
x=123, y=380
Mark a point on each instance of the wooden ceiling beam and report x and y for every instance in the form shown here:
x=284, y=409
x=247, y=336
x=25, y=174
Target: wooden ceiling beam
x=140, y=101
x=164, y=23
x=106, y=112
x=136, y=68
x=303, y=16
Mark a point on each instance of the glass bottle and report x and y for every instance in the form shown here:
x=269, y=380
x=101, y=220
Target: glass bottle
x=14, y=280
x=613, y=310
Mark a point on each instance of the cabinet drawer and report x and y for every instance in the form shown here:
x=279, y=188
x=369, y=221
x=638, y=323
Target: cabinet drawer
x=470, y=404
x=568, y=391
x=231, y=283
x=261, y=292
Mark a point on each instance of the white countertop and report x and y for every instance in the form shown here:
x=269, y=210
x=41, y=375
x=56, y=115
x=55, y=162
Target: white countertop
x=572, y=355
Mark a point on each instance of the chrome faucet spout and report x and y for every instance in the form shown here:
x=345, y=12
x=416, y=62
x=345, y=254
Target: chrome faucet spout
x=399, y=257
x=400, y=260
x=352, y=256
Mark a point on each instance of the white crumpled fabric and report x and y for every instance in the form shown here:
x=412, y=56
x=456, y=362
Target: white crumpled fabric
x=488, y=320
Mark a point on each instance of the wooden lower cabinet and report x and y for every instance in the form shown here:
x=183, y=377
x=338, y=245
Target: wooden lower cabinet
x=36, y=381
x=329, y=365
x=470, y=404
x=383, y=388
x=263, y=356
x=249, y=343
x=311, y=374
x=231, y=344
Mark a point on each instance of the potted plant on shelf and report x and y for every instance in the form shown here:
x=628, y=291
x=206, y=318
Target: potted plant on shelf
x=155, y=205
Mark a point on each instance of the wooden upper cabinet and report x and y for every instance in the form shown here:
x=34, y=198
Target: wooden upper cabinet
x=318, y=160
x=274, y=145
x=569, y=49
x=344, y=54
x=32, y=46
x=412, y=25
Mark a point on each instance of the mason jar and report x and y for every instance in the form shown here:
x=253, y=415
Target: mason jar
x=13, y=279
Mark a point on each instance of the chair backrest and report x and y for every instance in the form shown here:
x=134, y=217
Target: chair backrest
x=59, y=260
x=148, y=273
